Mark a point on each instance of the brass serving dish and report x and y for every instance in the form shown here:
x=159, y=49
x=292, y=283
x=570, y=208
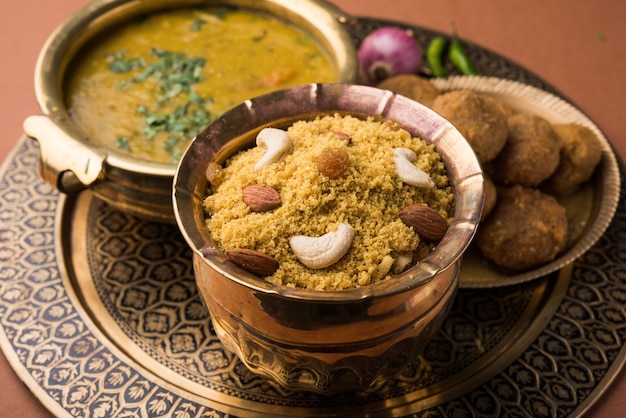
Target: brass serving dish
x=70, y=162
x=336, y=340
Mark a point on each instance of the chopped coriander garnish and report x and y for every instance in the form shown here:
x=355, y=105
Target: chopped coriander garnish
x=176, y=154
x=302, y=40
x=147, y=72
x=195, y=98
x=123, y=85
x=118, y=64
x=173, y=71
x=172, y=140
x=259, y=36
x=197, y=25
x=122, y=143
x=175, y=75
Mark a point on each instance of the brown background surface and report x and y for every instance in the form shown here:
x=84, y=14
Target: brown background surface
x=577, y=46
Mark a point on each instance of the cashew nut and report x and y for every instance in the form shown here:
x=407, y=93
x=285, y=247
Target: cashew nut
x=383, y=268
x=401, y=262
x=323, y=251
x=407, y=171
x=277, y=145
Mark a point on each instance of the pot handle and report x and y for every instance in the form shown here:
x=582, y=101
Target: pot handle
x=65, y=163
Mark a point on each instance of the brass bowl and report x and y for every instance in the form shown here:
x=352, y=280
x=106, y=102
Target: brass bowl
x=336, y=340
x=70, y=162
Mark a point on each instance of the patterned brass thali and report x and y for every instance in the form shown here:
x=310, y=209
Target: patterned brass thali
x=100, y=316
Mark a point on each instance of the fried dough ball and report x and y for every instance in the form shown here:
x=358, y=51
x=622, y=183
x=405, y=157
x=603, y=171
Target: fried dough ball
x=505, y=108
x=478, y=118
x=580, y=155
x=411, y=86
x=527, y=228
x=491, y=196
x=531, y=153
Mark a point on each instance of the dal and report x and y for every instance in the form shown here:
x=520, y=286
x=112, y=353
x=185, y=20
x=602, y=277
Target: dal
x=149, y=86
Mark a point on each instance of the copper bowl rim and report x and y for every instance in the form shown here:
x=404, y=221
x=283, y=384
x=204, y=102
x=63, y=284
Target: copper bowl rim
x=235, y=130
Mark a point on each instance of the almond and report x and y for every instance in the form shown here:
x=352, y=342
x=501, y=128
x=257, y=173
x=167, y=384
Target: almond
x=426, y=222
x=261, y=198
x=341, y=135
x=253, y=261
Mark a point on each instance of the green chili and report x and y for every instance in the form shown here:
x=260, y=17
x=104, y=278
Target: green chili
x=434, y=56
x=459, y=59
x=457, y=55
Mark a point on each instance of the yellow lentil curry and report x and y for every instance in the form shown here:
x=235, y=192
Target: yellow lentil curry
x=368, y=196
x=149, y=86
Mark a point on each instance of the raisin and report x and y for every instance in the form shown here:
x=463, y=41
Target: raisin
x=333, y=162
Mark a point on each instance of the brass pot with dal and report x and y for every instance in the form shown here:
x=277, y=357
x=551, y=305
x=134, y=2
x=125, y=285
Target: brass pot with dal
x=72, y=159
x=326, y=341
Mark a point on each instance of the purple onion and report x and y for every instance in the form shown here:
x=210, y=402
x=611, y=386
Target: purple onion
x=386, y=52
